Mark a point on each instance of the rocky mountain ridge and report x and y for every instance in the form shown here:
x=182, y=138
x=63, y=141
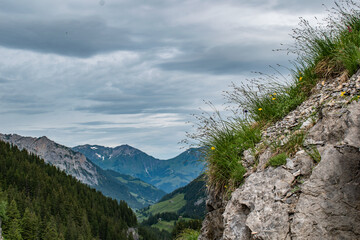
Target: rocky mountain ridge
x=316, y=194
x=71, y=162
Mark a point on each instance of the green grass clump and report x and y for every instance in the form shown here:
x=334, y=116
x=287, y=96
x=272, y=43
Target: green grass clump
x=188, y=234
x=224, y=146
x=277, y=160
x=271, y=104
x=314, y=153
x=294, y=144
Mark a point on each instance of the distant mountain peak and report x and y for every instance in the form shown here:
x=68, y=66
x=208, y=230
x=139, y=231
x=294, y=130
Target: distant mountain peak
x=164, y=174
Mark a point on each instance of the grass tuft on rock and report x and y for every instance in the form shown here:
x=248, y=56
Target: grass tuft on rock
x=277, y=160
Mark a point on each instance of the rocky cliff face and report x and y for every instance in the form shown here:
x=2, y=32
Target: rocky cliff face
x=316, y=195
x=65, y=159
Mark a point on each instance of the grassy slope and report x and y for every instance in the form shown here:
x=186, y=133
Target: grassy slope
x=173, y=204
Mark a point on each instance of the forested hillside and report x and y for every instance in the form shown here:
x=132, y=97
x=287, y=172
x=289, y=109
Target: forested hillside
x=37, y=201
x=136, y=193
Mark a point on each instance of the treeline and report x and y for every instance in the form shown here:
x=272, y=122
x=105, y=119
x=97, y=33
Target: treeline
x=152, y=233
x=37, y=201
x=179, y=226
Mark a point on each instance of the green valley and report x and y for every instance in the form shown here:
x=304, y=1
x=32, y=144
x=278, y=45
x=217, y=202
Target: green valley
x=183, y=205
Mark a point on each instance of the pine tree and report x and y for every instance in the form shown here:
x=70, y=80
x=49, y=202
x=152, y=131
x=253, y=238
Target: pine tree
x=14, y=230
x=3, y=205
x=50, y=232
x=13, y=226
x=12, y=211
x=30, y=225
x=85, y=227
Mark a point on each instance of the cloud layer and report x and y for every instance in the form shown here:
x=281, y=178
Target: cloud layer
x=115, y=72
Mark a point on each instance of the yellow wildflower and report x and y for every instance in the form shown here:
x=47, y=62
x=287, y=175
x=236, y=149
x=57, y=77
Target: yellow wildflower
x=273, y=98
x=342, y=94
x=212, y=148
x=225, y=186
x=274, y=94
x=300, y=78
x=260, y=109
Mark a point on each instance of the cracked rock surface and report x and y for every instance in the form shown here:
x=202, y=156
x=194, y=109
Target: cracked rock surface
x=303, y=199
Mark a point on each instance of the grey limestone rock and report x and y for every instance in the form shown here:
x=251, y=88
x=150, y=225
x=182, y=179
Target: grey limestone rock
x=303, y=162
x=248, y=158
x=212, y=227
x=257, y=208
x=264, y=158
x=134, y=233
x=329, y=206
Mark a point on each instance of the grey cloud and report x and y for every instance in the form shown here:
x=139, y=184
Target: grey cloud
x=164, y=95
x=22, y=103
x=85, y=36
x=25, y=111
x=132, y=108
x=4, y=80
x=228, y=59
x=72, y=37
x=96, y=123
x=309, y=6
x=214, y=66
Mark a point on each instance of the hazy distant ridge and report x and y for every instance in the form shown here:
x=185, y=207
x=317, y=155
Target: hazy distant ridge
x=167, y=175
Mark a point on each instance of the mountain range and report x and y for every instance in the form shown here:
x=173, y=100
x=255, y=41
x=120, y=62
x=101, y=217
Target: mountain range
x=123, y=173
x=135, y=192
x=166, y=175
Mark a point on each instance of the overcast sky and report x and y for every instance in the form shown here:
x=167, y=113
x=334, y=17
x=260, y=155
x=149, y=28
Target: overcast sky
x=115, y=72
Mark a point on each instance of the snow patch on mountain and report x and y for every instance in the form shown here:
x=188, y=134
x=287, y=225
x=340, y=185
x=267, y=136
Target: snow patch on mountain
x=99, y=156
